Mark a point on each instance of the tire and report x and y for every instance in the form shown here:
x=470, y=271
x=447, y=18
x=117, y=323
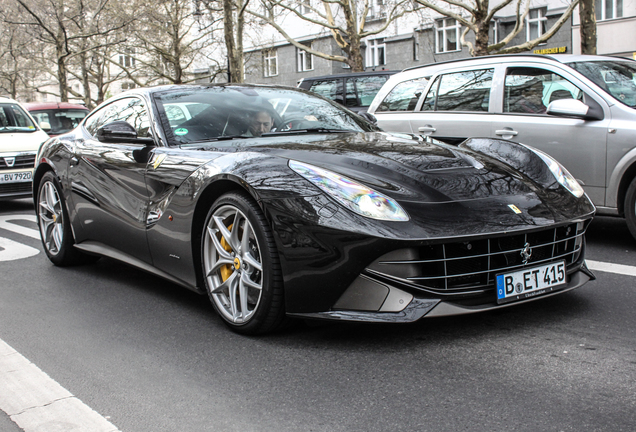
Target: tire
x=241, y=267
x=630, y=207
x=55, y=227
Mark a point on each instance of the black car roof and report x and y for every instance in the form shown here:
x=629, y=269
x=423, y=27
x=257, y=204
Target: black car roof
x=351, y=74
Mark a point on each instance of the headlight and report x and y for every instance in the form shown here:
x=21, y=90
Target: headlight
x=352, y=195
x=561, y=174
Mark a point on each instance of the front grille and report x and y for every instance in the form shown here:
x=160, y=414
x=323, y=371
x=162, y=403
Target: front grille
x=471, y=266
x=8, y=189
x=21, y=161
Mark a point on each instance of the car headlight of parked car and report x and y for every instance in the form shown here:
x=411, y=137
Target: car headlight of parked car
x=561, y=174
x=354, y=196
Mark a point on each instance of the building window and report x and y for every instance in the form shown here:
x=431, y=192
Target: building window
x=608, y=9
x=304, y=6
x=127, y=86
x=535, y=23
x=495, y=31
x=376, y=52
x=446, y=35
x=377, y=9
x=304, y=59
x=126, y=59
x=270, y=62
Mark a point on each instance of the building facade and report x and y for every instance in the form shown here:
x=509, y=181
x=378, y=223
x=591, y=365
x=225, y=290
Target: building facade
x=406, y=44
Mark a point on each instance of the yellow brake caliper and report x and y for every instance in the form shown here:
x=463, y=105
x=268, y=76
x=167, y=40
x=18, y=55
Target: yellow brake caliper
x=227, y=269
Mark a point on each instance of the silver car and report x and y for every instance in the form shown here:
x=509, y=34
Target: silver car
x=579, y=109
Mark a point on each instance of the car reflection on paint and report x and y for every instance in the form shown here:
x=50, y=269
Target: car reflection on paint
x=324, y=216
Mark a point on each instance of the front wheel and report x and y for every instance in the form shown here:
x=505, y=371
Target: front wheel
x=630, y=207
x=54, y=224
x=241, y=267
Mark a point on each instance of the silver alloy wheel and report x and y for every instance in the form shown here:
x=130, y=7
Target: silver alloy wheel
x=232, y=264
x=51, y=217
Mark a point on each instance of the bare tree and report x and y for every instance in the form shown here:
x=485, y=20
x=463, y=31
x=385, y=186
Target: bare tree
x=168, y=39
x=15, y=63
x=587, y=30
x=476, y=16
x=62, y=26
x=346, y=20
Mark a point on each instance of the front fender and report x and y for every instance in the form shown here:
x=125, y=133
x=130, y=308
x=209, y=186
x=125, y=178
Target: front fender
x=618, y=183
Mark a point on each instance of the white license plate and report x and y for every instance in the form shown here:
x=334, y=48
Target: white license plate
x=16, y=177
x=530, y=282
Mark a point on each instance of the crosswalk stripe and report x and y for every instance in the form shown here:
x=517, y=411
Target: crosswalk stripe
x=5, y=223
x=611, y=267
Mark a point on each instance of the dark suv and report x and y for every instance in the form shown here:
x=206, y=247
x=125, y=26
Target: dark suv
x=354, y=90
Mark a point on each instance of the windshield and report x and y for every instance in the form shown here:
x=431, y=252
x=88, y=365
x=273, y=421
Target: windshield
x=14, y=119
x=197, y=114
x=618, y=78
x=59, y=121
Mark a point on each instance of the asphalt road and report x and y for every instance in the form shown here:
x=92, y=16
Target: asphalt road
x=151, y=356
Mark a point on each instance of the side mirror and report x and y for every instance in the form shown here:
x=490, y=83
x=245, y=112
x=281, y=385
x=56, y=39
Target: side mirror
x=370, y=117
x=45, y=126
x=573, y=108
x=121, y=131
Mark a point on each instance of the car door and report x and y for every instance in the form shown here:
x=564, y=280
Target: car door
x=580, y=145
x=108, y=188
x=456, y=106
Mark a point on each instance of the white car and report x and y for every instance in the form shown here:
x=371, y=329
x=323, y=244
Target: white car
x=20, y=139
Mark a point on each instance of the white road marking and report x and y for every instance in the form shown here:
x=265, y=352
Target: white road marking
x=11, y=250
x=37, y=403
x=19, y=229
x=611, y=267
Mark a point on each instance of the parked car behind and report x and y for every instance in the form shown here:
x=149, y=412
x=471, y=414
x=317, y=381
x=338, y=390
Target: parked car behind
x=20, y=139
x=56, y=118
x=354, y=90
x=579, y=109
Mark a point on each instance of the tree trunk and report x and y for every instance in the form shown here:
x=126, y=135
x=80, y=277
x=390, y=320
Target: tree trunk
x=234, y=57
x=587, y=30
x=61, y=72
x=482, y=33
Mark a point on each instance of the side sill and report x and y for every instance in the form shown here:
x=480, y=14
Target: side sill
x=103, y=250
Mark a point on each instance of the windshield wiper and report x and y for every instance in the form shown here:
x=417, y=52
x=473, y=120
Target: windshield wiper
x=219, y=138
x=308, y=131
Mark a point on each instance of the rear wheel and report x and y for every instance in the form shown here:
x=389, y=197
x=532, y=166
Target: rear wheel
x=240, y=265
x=630, y=207
x=54, y=224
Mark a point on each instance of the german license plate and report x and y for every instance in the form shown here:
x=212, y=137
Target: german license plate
x=16, y=177
x=530, y=282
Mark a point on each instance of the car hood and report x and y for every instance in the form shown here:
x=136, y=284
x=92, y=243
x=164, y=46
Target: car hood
x=21, y=141
x=404, y=167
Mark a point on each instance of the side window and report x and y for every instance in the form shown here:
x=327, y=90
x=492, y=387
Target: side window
x=431, y=96
x=329, y=88
x=530, y=90
x=461, y=91
x=465, y=91
x=350, y=95
x=130, y=110
x=404, y=96
x=367, y=87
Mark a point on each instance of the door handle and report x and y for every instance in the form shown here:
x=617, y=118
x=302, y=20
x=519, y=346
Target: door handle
x=510, y=132
x=74, y=160
x=427, y=128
